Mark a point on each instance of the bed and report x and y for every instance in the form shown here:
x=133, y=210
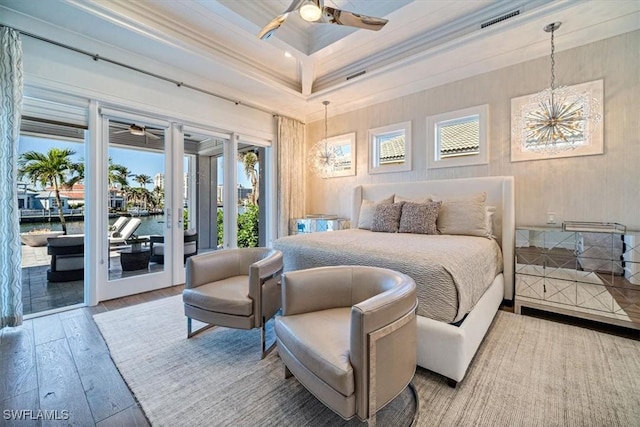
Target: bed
x=459, y=291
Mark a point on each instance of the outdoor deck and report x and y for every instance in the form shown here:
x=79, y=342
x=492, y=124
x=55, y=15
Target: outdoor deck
x=38, y=294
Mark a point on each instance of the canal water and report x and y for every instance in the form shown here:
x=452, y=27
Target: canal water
x=152, y=224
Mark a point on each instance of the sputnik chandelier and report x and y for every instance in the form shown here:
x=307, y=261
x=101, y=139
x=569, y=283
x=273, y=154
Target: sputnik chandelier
x=323, y=156
x=558, y=118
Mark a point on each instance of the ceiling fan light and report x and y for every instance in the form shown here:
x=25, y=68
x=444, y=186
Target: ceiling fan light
x=310, y=11
x=136, y=130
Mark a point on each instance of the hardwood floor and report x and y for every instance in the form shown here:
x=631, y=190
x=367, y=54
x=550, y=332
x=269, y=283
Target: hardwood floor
x=60, y=364
x=56, y=370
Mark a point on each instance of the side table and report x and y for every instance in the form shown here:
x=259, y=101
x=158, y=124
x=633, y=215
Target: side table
x=137, y=260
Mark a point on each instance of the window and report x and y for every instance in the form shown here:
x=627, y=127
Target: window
x=458, y=138
x=390, y=148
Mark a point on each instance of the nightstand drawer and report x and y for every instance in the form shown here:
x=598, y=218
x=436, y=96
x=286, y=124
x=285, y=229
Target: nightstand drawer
x=560, y=291
x=530, y=286
x=594, y=297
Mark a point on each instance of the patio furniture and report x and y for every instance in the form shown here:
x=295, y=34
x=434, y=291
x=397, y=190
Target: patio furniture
x=117, y=226
x=67, y=258
x=131, y=260
x=236, y=288
x=120, y=238
x=190, y=246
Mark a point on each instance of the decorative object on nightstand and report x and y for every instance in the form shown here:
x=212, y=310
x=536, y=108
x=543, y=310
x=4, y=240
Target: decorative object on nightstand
x=587, y=270
x=314, y=223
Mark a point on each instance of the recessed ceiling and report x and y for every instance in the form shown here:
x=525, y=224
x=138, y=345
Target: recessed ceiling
x=213, y=44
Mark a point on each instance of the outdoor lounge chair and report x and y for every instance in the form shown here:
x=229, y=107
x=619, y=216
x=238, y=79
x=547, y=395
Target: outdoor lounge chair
x=128, y=230
x=118, y=225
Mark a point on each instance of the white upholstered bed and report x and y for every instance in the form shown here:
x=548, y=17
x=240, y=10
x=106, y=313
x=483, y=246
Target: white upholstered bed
x=443, y=347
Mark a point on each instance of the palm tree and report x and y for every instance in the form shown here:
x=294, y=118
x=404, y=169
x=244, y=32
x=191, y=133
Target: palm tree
x=50, y=169
x=249, y=160
x=143, y=194
x=142, y=179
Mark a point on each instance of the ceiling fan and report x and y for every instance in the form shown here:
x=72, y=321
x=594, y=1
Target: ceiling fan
x=315, y=11
x=134, y=129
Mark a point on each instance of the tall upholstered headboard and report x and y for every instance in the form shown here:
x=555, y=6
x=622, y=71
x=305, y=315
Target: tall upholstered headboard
x=500, y=193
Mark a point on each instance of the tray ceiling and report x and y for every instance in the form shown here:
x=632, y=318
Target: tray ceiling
x=212, y=44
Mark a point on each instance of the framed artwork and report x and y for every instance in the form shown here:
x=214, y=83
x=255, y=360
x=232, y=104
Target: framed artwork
x=344, y=150
x=585, y=139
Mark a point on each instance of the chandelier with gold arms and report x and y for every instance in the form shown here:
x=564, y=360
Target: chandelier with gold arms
x=323, y=156
x=561, y=119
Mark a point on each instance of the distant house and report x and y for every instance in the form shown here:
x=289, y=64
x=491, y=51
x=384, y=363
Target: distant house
x=27, y=197
x=47, y=199
x=74, y=195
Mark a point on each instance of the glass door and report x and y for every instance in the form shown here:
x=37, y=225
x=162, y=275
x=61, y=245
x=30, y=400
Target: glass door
x=138, y=211
x=250, y=181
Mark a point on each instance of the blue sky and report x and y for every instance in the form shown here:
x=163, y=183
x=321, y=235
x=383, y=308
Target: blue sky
x=138, y=161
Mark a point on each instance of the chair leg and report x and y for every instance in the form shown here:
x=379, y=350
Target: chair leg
x=190, y=334
x=287, y=372
x=263, y=340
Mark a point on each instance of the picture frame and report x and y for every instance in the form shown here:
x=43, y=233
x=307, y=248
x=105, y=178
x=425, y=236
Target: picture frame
x=345, y=149
x=592, y=145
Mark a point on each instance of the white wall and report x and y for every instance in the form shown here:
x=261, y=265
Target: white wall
x=49, y=68
x=590, y=188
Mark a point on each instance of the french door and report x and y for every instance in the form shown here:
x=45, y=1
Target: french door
x=140, y=211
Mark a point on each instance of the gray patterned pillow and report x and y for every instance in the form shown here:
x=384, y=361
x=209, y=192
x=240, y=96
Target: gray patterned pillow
x=386, y=217
x=367, y=209
x=419, y=218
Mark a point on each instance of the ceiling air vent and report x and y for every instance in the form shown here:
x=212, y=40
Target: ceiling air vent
x=500, y=18
x=354, y=75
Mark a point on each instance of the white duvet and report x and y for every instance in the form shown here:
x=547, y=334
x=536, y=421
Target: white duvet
x=451, y=272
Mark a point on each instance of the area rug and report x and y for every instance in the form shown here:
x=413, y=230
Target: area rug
x=527, y=372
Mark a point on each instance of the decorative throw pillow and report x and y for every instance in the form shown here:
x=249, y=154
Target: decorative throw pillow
x=367, y=209
x=386, y=217
x=464, y=215
x=419, y=218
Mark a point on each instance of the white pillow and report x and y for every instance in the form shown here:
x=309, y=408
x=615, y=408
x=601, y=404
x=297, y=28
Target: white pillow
x=419, y=200
x=465, y=215
x=367, y=210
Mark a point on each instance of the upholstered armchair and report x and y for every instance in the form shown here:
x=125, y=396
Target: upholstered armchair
x=236, y=288
x=348, y=334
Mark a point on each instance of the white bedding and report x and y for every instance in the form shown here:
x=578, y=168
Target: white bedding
x=452, y=272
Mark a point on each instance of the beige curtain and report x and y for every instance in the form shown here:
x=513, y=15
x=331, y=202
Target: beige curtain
x=291, y=166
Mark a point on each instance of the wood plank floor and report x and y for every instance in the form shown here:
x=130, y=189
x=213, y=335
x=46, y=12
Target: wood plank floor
x=58, y=366
x=60, y=363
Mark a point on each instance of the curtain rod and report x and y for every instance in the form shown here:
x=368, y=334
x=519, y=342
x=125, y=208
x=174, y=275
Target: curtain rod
x=97, y=57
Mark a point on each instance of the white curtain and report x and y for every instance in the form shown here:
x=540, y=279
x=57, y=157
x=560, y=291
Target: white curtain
x=11, y=105
x=291, y=165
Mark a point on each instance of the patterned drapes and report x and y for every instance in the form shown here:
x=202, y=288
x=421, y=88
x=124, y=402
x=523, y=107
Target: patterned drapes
x=290, y=172
x=11, y=105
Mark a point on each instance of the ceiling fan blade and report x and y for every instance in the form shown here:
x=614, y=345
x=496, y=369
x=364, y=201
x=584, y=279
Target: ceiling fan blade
x=150, y=135
x=120, y=131
x=268, y=30
x=350, y=19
